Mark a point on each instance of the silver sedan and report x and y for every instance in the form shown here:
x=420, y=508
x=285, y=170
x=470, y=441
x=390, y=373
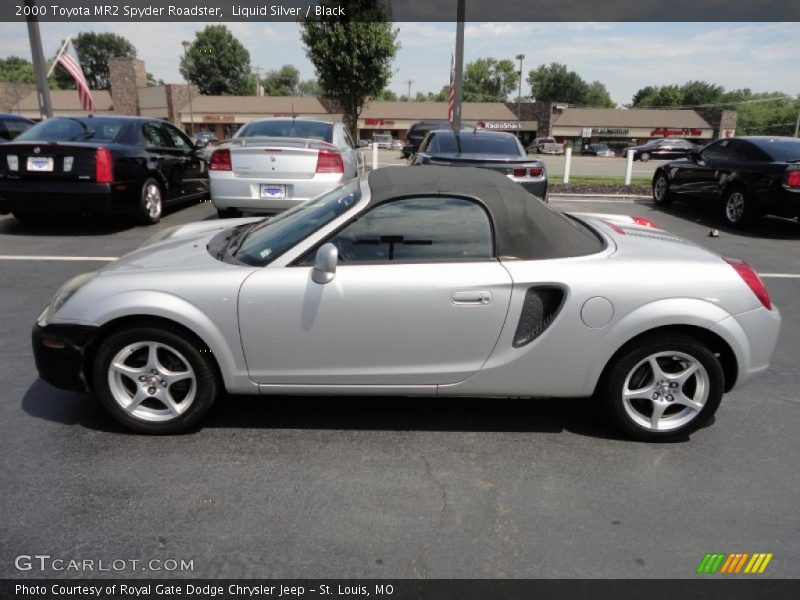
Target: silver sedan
x=273, y=164
x=417, y=282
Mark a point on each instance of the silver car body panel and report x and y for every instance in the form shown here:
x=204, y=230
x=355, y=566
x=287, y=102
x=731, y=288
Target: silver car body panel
x=288, y=164
x=399, y=329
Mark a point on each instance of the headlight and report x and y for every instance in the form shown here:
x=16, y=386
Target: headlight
x=64, y=293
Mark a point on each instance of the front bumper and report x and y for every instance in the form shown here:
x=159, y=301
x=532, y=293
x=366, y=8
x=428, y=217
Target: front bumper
x=60, y=352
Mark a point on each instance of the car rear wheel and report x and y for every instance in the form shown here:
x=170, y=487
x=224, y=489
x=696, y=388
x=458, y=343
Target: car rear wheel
x=228, y=213
x=151, y=203
x=663, y=388
x=661, y=193
x=737, y=208
x=155, y=380
x=644, y=156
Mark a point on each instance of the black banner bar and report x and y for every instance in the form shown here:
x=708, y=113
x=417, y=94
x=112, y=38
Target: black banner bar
x=213, y=11
x=730, y=588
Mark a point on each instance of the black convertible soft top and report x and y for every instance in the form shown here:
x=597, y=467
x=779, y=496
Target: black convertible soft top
x=525, y=228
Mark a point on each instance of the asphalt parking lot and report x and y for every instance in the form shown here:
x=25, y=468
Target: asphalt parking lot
x=360, y=487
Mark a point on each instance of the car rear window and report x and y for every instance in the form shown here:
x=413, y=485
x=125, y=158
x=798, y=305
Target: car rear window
x=293, y=128
x=472, y=144
x=68, y=129
x=784, y=150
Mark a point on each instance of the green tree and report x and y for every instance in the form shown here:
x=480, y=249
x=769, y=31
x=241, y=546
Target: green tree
x=701, y=92
x=94, y=50
x=152, y=81
x=386, y=95
x=217, y=63
x=282, y=82
x=489, y=80
x=16, y=70
x=658, y=96
x=597, y=95
x=352, y=55
x=556, y=83
x=309, y=87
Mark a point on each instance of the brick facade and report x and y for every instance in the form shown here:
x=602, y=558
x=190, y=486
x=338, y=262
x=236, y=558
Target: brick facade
x=127, y=75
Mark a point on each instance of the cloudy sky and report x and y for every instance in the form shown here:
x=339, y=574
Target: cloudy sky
x=624, y=56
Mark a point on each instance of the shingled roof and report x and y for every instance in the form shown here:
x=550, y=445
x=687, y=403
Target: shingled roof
x=631, y=118
x=256, y=105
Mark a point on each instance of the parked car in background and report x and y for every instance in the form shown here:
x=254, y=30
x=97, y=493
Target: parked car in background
x=413, y=282
x=660, y=149
x=546, y=146
x=270, y=165
x=397, y=144
x=206, y=138
x=493, y=150
x=383, y=141
x=597, y=150
x=13, y=125
x=417, y=132
x=100, y=165
x=746, y=176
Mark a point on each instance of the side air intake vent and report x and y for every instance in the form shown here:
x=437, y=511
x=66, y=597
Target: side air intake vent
x=540, y=307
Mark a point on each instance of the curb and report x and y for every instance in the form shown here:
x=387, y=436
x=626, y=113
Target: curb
x=609, y=195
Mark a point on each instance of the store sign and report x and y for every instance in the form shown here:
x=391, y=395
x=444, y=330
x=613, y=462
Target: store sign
x=663, y=131
x=219, y=118
x=499, y=125
x=378, y=122
x=608, y=131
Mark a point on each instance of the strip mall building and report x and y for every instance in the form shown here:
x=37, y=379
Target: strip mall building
x=223, y=115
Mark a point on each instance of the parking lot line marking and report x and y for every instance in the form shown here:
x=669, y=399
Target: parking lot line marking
x=55, y=258
x=599, y=200
x=780, y=275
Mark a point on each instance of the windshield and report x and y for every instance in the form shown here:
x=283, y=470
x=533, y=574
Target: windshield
x=292, y=128
x=781, y=149
x=477, y=144
x=271, y=238
x=68, y=129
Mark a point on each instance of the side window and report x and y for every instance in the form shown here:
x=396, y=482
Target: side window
x=418, y=229
x=717, y=152
x=153, y=136
x=179, y=140
x=744, y=152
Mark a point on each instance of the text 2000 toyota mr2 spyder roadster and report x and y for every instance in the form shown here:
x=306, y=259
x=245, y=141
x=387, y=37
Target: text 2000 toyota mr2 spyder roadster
x=430, y=281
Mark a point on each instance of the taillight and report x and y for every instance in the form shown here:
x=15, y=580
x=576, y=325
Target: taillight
x=645, y=222
x=793, y=179
x=519, y=172
x=752, y=280
x=220, y=160
x=329, y=162
x=104, y=170
x=536, y=171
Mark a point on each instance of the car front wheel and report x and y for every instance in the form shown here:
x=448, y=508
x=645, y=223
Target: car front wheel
x=661, y=193
x=151, y=203
x=155, y=380
x=663, y=388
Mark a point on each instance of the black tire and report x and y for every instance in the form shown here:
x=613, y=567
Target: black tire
x=661, y=194
x=175, y=348
x=644, y=156
x=151, y=203
x=229, y=213
x=678, y=420
x=738, y=209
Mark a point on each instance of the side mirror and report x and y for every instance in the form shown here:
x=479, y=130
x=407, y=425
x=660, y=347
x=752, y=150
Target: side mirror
x=325, y=264
x=200, y=144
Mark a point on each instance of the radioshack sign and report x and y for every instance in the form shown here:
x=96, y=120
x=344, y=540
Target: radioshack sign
x=499, y=125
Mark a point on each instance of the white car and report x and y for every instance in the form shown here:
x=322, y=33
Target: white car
x=273, y=164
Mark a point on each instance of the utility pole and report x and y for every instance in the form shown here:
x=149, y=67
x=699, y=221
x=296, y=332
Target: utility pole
x=520, y=58
x=409, y=82
x=459, y=79
x=258, y=81
x=797, y=125
x=186, y=46
x=42, y=88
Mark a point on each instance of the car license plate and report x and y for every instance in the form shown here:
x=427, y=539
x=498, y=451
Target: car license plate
x=271, y=190
x=40, y=163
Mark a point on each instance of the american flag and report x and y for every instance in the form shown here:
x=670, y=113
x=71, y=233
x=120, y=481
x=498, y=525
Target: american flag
x=73, y=67
x=451, y=100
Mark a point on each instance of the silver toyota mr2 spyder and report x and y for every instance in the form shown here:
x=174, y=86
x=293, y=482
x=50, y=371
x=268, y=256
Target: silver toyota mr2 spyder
x=414, y=282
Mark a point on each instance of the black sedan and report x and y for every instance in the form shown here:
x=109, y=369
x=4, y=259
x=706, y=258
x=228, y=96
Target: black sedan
x=597, y=150
x=100, y=165
x=661, y=149
x=747, y=177
x=492, y=150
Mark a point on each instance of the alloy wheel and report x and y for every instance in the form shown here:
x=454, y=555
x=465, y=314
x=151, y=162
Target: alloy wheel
x=660, y=189
x=734, y=207
x=152, y=200
x=665, y=391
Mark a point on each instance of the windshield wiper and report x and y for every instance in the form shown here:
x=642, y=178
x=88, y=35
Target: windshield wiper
x=237, y=239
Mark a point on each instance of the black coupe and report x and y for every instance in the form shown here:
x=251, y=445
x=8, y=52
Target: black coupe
x=100, y=165
x=662, y=148
x=747, y=177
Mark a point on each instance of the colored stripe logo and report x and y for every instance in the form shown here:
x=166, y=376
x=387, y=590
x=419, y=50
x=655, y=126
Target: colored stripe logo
x=734, y=563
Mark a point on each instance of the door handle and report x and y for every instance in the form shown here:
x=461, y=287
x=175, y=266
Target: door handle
x=471, y=298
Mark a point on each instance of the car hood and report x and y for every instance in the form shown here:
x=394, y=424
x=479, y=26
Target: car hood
x=178, y=248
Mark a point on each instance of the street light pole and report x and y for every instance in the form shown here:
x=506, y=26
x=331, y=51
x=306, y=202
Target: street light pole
x=186, y=45
x=35, y=39
x=459, y=78
x=409, y=82
x=520, y=58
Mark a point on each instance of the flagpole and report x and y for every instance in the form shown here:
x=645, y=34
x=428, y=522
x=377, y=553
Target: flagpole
x=60, y=52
